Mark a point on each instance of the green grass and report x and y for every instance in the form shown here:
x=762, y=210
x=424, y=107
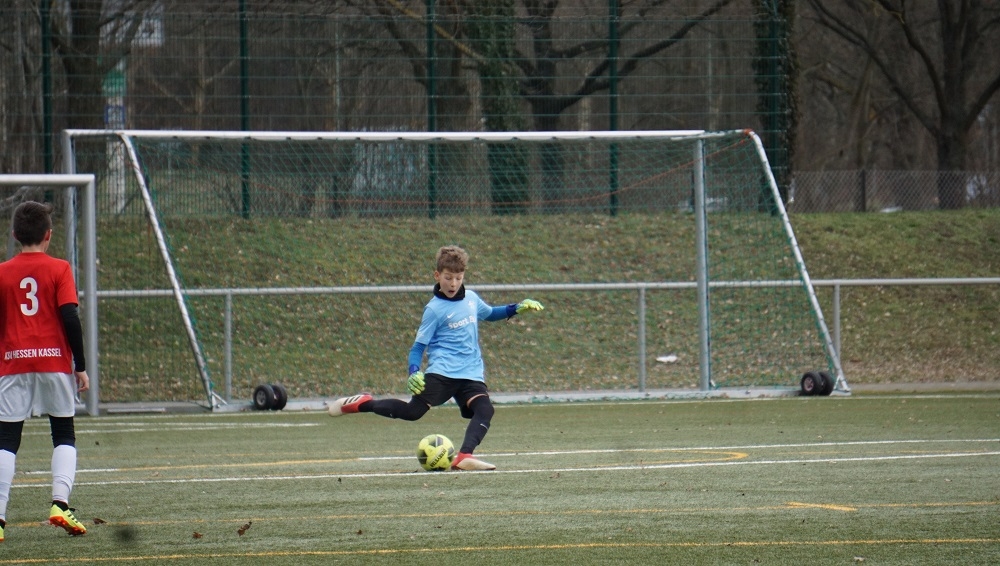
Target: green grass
x=911, y=334
x=885, y=479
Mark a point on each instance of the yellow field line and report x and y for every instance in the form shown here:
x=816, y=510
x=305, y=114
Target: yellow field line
x=831, y=507
x=493, y=549
x=535, y=513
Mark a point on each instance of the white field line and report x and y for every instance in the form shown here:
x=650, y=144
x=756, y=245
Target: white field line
x=114, y=428
x=634, y=467
x=708, y=448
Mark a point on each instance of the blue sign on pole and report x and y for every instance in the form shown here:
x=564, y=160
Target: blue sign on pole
x=114, y=116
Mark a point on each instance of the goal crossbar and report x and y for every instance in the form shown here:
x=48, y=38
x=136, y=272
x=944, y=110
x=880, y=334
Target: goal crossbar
x=401, y=136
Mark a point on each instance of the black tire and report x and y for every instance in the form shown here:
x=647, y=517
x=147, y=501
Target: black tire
x=811, y=383
x=263, y=397
x=280, y=396
x=828, y=383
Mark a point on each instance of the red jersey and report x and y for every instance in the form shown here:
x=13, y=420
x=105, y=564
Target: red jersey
x=33, y=285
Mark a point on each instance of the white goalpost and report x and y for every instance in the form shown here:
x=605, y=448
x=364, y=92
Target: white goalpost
x=82, y=186
x=710, y=211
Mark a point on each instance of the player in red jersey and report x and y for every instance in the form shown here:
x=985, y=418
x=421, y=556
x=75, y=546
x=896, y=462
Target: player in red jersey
x=42, y=365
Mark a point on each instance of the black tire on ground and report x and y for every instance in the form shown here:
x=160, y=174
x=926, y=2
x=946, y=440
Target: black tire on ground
x=280, y=396
x=263, y=397
x=828, y=383
x=811, y=383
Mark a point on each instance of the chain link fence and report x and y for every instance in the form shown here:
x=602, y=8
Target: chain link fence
x=890, y=191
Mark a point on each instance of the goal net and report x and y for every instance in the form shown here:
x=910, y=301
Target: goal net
x=230, y=259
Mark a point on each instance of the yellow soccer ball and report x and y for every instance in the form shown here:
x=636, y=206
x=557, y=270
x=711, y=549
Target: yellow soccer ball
x=435, y=452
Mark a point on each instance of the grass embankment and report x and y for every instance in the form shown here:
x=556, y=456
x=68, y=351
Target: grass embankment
x=911, y=334
x=331, y=344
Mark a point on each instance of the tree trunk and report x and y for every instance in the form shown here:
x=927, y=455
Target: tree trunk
x=85, y=105
x=491, y=28
x=552, y=162
x=952, y=150
x=454, y=112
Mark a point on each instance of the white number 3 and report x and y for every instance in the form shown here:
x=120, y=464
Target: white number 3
x=31, y=308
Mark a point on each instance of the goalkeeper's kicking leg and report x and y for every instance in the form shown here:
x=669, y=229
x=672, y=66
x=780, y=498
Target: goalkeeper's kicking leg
x=435, y=391
x=472, y=397
x=392, y=408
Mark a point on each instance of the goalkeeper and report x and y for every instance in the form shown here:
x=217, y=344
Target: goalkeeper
x=450, y=336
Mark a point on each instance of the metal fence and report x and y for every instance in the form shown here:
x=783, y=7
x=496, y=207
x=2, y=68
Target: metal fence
x=635, y=385
x=889, y=191
x=429, y=65
x=388, y=66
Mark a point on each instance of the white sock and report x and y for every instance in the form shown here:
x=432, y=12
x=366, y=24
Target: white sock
x=7, y=460
x=63, y=471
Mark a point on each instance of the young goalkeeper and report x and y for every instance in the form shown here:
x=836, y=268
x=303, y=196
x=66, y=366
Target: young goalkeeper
x=41, y=357
x=449, y=334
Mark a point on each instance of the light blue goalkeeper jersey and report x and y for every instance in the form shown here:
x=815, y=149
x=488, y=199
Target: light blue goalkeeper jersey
x=450, y=330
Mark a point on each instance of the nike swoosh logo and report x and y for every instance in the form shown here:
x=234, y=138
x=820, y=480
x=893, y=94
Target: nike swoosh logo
x=450, y=315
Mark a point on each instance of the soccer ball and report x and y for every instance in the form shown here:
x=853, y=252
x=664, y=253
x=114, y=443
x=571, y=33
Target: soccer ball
x=435, y=452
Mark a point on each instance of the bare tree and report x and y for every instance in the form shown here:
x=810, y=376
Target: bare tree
x=540, y=68
x=558, y=72
x=20, y=119
x=940, y=60
x=92, y=37
x=549, y=60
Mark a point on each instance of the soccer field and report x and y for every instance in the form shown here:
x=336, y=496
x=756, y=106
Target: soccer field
x=879, y=479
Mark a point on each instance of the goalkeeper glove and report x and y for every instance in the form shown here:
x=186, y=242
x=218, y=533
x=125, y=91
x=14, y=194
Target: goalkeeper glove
x=528, y=305
x=415, y=383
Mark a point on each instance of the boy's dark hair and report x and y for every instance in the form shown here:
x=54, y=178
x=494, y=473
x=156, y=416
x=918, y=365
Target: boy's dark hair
x=31, y=221
x=452, y=258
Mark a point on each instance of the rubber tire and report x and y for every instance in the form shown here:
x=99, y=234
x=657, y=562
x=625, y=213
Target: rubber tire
x=828, y=383
x=811, y=383
x=280, y=396
x=263, y=397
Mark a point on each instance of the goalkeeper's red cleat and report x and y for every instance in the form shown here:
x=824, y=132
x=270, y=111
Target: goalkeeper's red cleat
x=468, y=462
x=346, y=405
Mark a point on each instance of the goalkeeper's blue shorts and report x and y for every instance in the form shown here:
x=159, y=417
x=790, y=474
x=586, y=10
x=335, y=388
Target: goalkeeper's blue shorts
x=438, y=389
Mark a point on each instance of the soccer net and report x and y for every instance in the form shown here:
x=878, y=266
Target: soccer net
x=230, y=259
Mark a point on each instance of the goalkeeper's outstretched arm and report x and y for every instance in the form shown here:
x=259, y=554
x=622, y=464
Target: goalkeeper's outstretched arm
x=507, y=311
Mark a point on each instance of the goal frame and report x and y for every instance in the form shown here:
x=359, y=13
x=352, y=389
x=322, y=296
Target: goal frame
x=700, y=210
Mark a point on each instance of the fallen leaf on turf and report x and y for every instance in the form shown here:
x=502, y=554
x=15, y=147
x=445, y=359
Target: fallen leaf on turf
x=197, y=535
x=240, y=531
x=99, y=521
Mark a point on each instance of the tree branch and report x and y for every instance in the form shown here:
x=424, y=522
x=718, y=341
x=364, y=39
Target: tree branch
x=981, y=102
x=593, y=83
x=841, y=28
x=913, y=40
